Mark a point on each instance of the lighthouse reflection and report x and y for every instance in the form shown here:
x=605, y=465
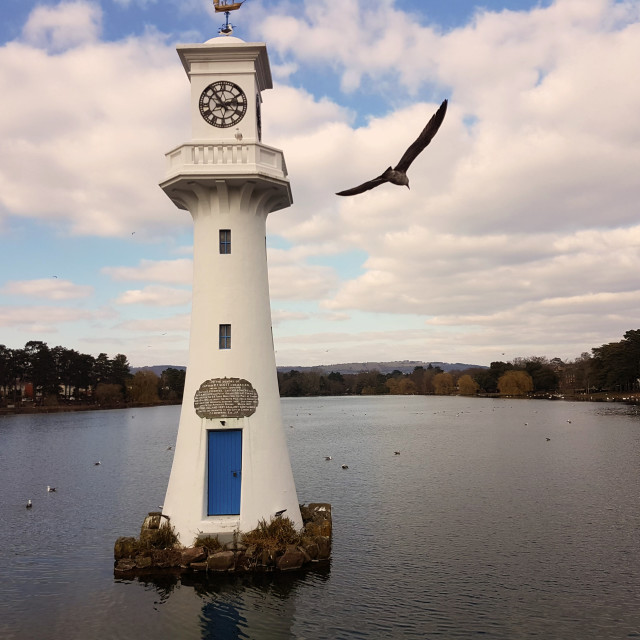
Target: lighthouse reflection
x=233, y=606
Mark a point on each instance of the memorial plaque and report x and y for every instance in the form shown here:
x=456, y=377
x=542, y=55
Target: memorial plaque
x=225, y=398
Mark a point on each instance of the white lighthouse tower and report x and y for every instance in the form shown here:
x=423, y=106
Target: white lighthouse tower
x=231, y=465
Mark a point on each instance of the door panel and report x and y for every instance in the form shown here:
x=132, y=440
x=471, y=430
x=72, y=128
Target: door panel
x=225, y=472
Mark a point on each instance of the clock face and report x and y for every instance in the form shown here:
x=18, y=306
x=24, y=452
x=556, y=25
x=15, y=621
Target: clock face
x=223, y=104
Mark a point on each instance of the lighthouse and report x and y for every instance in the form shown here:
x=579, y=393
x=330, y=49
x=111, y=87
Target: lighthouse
x=231, y=464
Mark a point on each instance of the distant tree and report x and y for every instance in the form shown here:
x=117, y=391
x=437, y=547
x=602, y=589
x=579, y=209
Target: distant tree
x=65, y=362
x=515, y=383
x=403, y=386
x=617, y=365
x=109, y=395
x=542, y=373
x=581, y=374
x=172, y=384
x=310, y=384
x=290, y=384
x=336, y=384
x=101, y=369
x=41, y=368
x=418, y=377
x=120, y=370
x=467, y=386
x=6, y=370
x=485, y=380
x=443, y=384
x=82, y=373
x=370, y=383
x=144, y=387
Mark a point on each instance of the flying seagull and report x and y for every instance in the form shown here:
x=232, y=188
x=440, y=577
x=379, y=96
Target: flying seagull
x=398, y=175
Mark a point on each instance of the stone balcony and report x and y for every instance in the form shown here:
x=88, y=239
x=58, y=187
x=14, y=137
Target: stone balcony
x=227, y=159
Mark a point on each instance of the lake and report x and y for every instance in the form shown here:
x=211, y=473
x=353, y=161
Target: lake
x=501, y=518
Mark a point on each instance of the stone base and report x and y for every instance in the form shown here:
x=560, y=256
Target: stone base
x=157, y=551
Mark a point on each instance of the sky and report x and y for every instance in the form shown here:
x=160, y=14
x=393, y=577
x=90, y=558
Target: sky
x=520, y=235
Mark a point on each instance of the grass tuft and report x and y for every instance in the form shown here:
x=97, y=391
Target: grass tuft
x=275, y=535
x=211, y=543
x=164, y=537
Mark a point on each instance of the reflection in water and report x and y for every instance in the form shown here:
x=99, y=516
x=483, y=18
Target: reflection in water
x=240, y=606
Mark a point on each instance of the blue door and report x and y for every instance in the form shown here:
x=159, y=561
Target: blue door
x=225, y=472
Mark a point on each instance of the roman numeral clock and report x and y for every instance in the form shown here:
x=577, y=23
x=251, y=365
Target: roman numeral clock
x=231, y=464
x=223, y=104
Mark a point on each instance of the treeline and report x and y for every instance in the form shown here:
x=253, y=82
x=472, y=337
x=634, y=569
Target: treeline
x=46, y=375
x=51, y=375
x=613, y=367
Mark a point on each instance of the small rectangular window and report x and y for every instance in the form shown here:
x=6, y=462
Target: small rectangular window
x=225, y=336
x=225, y=240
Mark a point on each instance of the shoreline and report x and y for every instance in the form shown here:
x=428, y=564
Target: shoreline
x=623, y=398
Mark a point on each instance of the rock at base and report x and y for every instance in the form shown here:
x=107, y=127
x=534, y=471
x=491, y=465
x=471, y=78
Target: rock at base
x=125, y=548
x=221, y=561
x=193, y=554
x=158, y=549
x=291, y=559
x=166, y=558
x=126, y=564
x=324, y=548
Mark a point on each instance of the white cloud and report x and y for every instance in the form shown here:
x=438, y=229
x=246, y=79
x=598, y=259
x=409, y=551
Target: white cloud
x=89, y=134
x=64, y=26
x=41, y=319
x=167, y=271
x=140, y=3
x=155, y=296
x=278, y=316
x=524, y=204
x=521, y=222
x=292, y=279
x=49, y=289
x=177, y=323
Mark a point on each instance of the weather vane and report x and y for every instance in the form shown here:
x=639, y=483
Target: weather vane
x=223, y=6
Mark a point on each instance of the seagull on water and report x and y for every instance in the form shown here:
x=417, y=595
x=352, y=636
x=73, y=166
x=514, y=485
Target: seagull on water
x=344, y=466
x=29, y=504
x=328, y=458
x=397, y=453
x=50, y=489
x=398, y=174
x=97, y=463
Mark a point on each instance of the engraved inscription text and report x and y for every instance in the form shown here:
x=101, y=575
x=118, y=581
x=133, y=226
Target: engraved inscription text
x=225, y=398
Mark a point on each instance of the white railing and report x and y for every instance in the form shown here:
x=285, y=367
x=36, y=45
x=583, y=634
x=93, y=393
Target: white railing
x=236, y=157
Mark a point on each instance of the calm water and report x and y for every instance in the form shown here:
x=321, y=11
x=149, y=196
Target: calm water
x=479, y=527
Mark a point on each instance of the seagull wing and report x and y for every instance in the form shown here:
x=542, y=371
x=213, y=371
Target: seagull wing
x=365, y=186
x=423, y=139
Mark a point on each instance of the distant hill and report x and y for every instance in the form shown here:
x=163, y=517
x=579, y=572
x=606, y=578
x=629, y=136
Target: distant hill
x=158, y=368
x=405, y=366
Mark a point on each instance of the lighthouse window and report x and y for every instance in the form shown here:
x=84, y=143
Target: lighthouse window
x=225, y=240
x=225, y=336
